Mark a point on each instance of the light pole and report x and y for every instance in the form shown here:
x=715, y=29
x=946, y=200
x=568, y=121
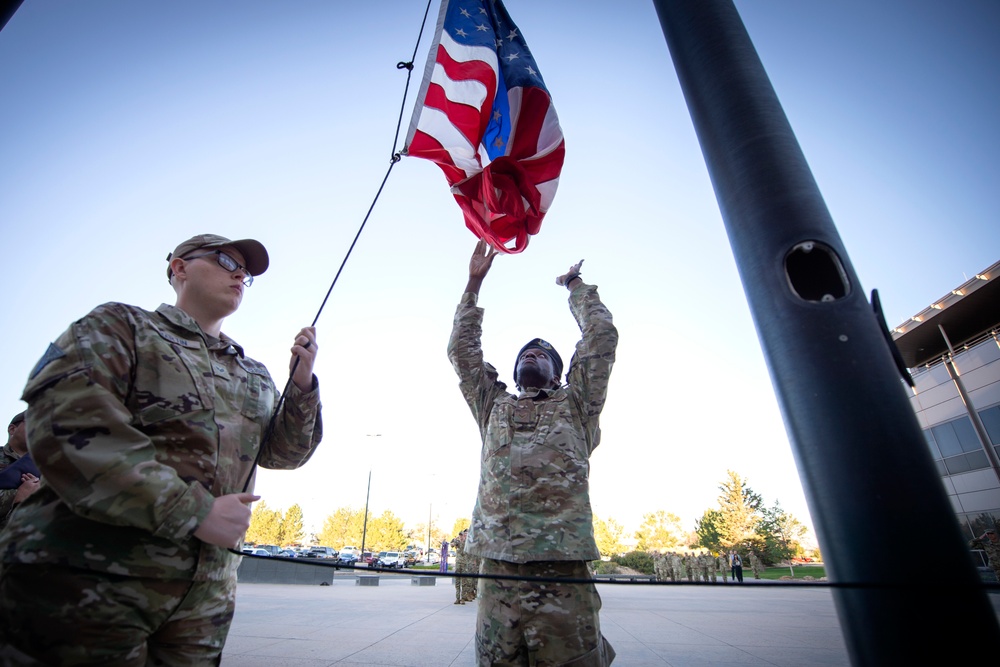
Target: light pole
x=364, y=528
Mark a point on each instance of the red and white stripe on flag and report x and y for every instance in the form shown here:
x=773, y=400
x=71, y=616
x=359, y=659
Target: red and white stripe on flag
x=485, y=117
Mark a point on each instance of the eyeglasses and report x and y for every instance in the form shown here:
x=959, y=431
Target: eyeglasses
x=226, y=262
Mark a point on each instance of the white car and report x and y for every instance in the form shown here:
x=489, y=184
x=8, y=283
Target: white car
x=392, y=559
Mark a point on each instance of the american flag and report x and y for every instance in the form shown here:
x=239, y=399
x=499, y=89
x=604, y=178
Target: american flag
x=485, y=117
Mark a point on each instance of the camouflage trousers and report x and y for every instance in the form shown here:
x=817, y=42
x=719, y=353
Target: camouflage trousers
x=531, y=624
x=466, y=587
x=62, y=616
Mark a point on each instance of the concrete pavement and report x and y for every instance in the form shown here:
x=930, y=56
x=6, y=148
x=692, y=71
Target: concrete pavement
x=398, y=623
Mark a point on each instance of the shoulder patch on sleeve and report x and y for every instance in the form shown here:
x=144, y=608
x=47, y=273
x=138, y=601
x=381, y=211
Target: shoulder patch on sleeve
x=51, y=354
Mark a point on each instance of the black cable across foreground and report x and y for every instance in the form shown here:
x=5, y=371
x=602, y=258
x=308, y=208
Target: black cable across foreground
x=648, y=581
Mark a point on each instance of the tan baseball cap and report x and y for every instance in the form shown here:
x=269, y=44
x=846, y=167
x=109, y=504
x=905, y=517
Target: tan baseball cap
x=253, y=251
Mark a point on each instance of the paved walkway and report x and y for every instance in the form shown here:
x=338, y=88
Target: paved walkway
x=398, y=623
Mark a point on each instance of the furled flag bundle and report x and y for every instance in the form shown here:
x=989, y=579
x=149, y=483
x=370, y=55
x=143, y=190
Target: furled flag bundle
x=482, y=99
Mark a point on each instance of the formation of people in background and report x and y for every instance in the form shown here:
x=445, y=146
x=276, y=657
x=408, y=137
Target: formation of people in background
x=673, y=566
x=147, y=428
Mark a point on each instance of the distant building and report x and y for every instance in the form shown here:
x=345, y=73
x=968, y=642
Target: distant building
x=957, y=396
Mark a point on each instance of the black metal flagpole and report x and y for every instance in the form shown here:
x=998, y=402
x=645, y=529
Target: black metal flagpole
x=903, y=580
x=7, y=10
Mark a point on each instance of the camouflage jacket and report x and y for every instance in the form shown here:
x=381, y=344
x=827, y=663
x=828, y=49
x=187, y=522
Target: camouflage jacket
x=534, y=501
x=137, y=421
x=7, y=457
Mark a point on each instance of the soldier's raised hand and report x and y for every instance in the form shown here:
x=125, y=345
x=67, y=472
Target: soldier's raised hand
x=482, y=259
x=574, y=272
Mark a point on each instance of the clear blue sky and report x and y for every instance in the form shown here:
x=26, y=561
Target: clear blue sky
x=128, y=127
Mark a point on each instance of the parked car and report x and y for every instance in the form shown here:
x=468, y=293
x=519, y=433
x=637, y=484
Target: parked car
x=347, y=558
x=258, y=551
x=351, y=550
x=411, y=558
x=288, y=553
x=393, y=559
x=377, y=561
x=368, y=557
x=433, y=557
x=321, y=552
x=271, y=549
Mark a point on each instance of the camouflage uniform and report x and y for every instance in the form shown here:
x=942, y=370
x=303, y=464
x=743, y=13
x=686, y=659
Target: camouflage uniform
x=465, y=563
x=533, y=502
x=539, y=624
x=755, y=565
x=138, y=421
x=661, y=567
x=7, y=457
x=675, y=566
x=722, y=563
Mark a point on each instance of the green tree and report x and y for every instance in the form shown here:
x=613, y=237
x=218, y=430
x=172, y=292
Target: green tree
x=660, y=531
x=739, y=507
x=781, y=534
x=608, y=535
x=342, y=528
x=386, y=533
x=265, y=525
x=292, y=527
x=709, y=533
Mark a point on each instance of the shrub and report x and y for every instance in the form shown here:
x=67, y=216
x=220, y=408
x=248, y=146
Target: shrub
x=604, y=567
x=640, y=561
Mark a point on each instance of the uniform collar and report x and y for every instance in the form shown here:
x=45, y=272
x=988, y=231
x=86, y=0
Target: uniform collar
x=179, y=318
x=7, y=450
x=538, y=394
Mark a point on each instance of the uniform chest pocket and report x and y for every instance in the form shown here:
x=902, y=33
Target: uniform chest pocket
x=499, y=432
x=165, y=380
x=260, y=392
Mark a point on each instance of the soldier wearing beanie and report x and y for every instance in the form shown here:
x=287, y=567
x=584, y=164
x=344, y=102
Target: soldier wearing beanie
x=532, y=516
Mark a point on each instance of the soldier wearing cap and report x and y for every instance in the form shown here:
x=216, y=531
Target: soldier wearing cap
x=532, y=516
x=16, y=450
x=147, y=427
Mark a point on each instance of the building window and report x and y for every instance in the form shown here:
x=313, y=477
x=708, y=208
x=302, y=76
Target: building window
x=991, y=420
x=946, y=439
x=957, y=464
x=935, y=452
